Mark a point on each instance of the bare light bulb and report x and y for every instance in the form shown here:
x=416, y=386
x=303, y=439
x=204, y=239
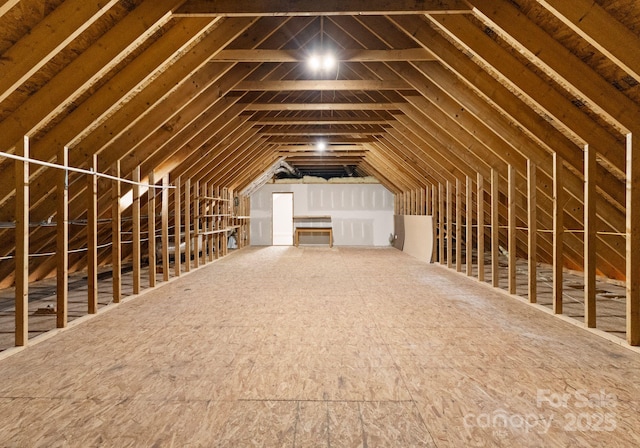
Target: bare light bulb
x=315, y=62
x=328, y=62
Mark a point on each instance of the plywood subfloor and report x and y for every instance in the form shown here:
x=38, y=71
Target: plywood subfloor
x=322, y=347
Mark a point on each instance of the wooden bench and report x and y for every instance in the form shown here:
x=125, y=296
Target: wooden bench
x=327, y=230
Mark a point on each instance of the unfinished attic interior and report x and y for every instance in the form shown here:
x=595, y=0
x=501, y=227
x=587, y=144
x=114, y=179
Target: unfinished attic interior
x=303, y=223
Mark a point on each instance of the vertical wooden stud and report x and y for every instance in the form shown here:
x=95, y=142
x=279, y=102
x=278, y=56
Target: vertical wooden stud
x=458, y=225
x=62, y=241
x=532, y=224
x=427, y=200
x=434, y=215
x=116, y=230
x=206, y=244
x=558, y=226
x=215, y=208
x=187, y=225
x=151, y=228
x=177, y=227
x=590, y=237
x=449, y=226
x=198, y=240
x=511, y=212
x=441, y=222
x=469, y=228
x=92, y=237
x=495, y=228
x=480, y=233
x=22, y=244
x=165, y=227
x=135, y=214
x=633, y=242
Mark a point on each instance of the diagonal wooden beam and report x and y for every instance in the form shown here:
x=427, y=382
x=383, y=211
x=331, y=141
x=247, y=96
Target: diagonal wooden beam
x=7, y=5
x=588, y=19
x=47, y=39
x=537, y=91
x=559, y=63
x=71, y=82
x=156, y=58
x=316, y=8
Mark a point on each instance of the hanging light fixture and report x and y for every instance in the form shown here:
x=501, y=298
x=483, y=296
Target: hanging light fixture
x=323, y=60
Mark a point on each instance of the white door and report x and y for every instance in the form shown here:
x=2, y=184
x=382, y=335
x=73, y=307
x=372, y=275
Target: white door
x=282, y=219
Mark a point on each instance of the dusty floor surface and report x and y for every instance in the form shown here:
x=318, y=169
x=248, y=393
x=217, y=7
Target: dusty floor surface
x=322, y=347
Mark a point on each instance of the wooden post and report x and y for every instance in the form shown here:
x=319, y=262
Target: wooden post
x=532, y=224
x=590, y=237
x=151, y=228
x=92, y=237
x=135, y=214
x=177, y=227
x=449, y=226
x=215, y=208
x=116, y=229
x=558, y=215
x=407, y=203
x=206, y=244
x=495, y=229
x=62, y=241
x=633, y=242
x=469, y=223
x=434, y=214
x=427, y=200
x=480, y=234
x=198, y=241
x=187, y=225
x=165, y=228
x=512, y=229
x=458, y=225
x=22, y=244
x=441, y=222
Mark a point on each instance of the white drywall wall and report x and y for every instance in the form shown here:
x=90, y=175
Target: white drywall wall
x=361, y=214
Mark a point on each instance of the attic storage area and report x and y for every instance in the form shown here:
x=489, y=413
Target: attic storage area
x=140, y=141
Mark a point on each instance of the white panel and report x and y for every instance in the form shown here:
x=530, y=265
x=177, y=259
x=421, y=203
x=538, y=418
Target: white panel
x=418, y=236
x=282, y=219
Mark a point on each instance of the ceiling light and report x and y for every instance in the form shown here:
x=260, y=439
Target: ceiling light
x=321, y=146
x=315, y=62
x=324, y=62
x=328, y=62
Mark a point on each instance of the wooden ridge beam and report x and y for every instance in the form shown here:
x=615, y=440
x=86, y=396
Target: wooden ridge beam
x=319, y=131
x=314, y=8
x=318, y=106
x=310, y=141
x=321, y=85
x=319, y=121
x=342, y=55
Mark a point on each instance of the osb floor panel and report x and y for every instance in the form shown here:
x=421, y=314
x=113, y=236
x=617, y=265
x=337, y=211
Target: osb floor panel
x=312, y=346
